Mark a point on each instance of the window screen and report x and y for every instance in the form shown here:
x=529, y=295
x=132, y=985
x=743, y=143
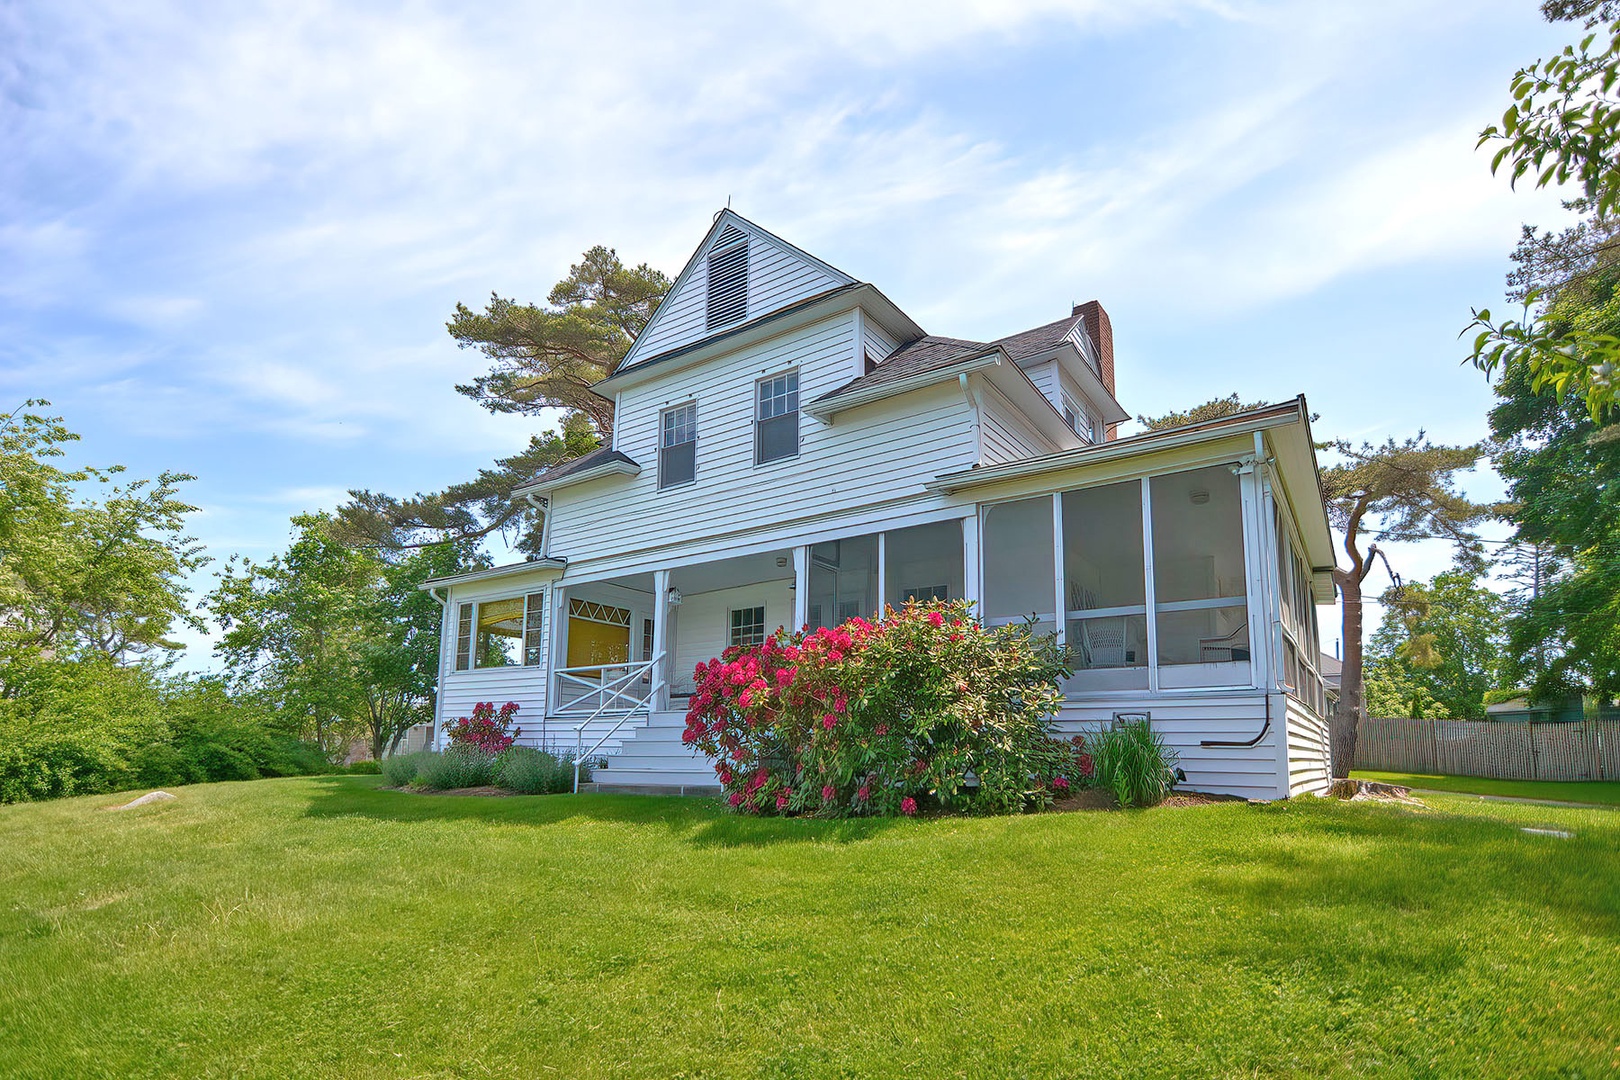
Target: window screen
x=677, y=453
x=776, y=422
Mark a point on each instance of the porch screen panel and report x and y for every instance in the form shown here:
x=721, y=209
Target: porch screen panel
x=1105, y=580
x=1020, y=579
x=843, y=580
x=500, y=629
x=924, y=563
x=1199, y=580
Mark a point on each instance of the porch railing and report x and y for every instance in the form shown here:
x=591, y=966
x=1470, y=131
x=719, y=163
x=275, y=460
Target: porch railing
x=602, y=688
x=630, y=692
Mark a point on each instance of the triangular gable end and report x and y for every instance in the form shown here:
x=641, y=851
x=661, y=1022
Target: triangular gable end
x=763, y=273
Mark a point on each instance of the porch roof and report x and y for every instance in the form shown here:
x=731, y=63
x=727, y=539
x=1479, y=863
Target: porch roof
x=493, y=572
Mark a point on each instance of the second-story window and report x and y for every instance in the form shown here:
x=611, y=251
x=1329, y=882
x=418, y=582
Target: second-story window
x=677, y=446
x=776, y=418
x=1078, y=419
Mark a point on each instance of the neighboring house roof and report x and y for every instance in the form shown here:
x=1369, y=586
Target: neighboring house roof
x=603, y=461
x=1330, y=668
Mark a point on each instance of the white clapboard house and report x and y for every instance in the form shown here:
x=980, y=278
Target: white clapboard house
x=791, y=449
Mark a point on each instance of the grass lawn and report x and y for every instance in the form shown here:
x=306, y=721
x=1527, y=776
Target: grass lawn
x=1605, y=792
x=323, y=927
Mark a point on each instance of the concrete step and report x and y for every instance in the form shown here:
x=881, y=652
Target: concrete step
x=619, y=778
x=709, y=790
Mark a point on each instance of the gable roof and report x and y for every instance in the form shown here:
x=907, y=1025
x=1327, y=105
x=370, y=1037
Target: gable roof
x=786, y=274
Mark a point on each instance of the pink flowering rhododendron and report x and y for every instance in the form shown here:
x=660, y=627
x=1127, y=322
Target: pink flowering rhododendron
x=488, y=729
x=922, y=707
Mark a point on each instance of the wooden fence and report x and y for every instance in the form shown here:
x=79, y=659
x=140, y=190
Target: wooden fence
x=1589, y=750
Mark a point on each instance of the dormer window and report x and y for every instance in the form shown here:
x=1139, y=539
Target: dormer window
x=1078, y=419
x=728, y=279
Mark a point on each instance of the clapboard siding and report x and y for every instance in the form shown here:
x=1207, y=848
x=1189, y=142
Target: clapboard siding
x=868, y=456
x=1309, y=771
x=777, y=277
x=1007, y=435
x=703, y=626
x=1046, y=379
x=1185, y=722
x=878, y=344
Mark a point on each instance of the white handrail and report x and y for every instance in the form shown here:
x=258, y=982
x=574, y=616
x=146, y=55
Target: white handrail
x=639, y=706
x=596, y=688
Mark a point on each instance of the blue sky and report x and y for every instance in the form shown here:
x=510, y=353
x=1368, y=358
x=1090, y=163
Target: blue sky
x=230, y=235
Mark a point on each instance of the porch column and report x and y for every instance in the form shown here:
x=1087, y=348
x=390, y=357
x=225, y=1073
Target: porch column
x=661, y=642
x=801, y=587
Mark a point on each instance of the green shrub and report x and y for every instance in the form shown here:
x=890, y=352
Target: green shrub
x=537, y=772
x=457, y=767
x=1132, y=761
x=400, y=770
x=363, y=768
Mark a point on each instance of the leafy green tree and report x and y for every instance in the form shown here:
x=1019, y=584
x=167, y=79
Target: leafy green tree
x=1392, y=691
x=1563, y=475
x=1563, y=126
x=1380, y=494
x=1214, y=409
x=1445, y=639
x=87, y=565
x=543, y=356
x=335, y=637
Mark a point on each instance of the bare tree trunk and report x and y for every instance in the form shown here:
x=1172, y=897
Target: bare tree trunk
x=1342, y=735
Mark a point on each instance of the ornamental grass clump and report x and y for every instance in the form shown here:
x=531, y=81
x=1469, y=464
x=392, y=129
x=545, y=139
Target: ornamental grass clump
x=925, y=709
x=457, y=767
x=1132, y=761
x=525, y=771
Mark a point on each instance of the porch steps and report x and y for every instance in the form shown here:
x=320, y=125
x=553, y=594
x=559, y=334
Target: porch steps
x=653, y=757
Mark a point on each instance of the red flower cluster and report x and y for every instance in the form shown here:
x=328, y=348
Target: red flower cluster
x=488, y=729
x=876, y=717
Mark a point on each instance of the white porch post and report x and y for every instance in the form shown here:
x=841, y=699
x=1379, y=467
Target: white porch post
x=801, y=587
x=661, y=639
x=1062, y=608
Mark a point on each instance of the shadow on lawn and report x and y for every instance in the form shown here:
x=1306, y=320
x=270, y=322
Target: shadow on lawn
x=701, y=822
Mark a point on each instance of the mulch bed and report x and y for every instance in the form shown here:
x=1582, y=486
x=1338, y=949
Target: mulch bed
x=1098, y=799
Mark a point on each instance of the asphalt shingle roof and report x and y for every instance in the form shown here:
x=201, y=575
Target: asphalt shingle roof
x=923, y=355
x=1028, y=343
x=602, y=455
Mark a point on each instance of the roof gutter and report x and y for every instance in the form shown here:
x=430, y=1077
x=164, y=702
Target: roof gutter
x=825, y=409
x=1258, y=420
x=432, y=584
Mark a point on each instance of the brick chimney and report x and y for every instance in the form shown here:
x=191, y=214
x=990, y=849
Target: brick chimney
x=1101, y=332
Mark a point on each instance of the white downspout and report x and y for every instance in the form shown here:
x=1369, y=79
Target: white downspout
x=542, y=504
x=972, y=397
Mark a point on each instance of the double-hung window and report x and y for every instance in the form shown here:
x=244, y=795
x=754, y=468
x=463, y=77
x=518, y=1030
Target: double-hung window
x=1077, y=418
x=776, y=417
x=677, y=445
x=747, y=626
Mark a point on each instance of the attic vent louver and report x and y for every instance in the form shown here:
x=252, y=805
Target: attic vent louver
x=728, y=278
